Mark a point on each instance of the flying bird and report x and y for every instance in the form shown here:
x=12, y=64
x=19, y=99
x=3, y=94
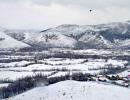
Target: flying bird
x=90, y=10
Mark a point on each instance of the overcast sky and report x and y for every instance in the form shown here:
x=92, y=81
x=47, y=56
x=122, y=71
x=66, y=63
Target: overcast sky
x=39, y=14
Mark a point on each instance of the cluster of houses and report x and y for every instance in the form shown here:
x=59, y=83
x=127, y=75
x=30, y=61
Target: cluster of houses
x=115, y=79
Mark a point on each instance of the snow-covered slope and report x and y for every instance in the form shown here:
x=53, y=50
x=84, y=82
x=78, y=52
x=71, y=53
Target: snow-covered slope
x=73, y=90
x=112, y=35
x=7, y=42
x=49, y=39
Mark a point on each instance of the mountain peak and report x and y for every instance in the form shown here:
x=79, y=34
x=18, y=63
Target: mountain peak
x=75, y=36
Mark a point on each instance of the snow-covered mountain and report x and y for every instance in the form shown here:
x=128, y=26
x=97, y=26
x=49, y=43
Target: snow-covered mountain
x=73, y=90
x=112, y=35
x=7, y=42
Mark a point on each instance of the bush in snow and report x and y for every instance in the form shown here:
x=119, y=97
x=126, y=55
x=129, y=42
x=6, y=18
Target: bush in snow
x=21, y=85
x=81, y=77
x=112, y=70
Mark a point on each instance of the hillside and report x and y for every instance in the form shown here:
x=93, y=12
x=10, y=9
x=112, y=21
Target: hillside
x=7, y=42
x=112, y=35
x=73, y=90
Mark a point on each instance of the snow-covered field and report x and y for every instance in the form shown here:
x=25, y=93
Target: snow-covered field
x=12, y=75
x=55, y=67
x=15, y=70
x=3, y=85
x=95, y=52
x=73, y=90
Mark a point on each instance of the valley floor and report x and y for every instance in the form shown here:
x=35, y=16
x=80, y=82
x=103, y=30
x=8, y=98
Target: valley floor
x=95, y=62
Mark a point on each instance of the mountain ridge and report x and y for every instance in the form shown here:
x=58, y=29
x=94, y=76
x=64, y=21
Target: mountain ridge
x=111, y=35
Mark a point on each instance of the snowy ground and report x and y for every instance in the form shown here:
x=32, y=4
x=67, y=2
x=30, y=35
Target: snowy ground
x=4, y=85
x=12, y=75
x=72, y=90
x=16, y=70
x=95, y=52
x=67, y=90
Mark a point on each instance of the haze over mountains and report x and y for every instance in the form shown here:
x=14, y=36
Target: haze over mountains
x=112, y=35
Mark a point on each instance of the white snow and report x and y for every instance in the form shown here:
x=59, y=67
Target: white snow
x=8, y=42
x=54, y=39
x=14, y=64
x=13, y=75
x=75, y=65
x=79, y=66
x=73, y=90
x=55, y=61
x=124, y=73
x=4, y=84
x=59, y=74
x=67, y=35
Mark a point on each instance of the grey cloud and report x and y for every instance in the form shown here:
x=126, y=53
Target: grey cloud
x=85, y=3
x=40, y=13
